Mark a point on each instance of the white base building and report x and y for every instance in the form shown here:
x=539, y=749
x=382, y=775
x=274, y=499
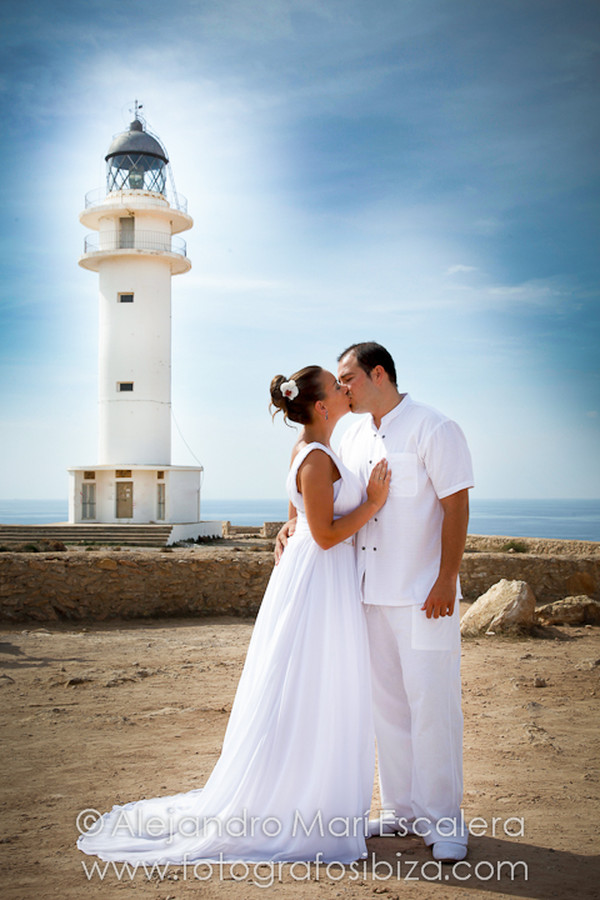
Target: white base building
x=140, y=495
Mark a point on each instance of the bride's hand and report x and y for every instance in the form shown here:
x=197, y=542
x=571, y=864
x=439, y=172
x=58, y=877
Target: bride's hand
x=379, y=483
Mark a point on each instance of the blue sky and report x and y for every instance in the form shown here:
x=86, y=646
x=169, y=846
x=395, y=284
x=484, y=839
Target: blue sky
x=419, y=172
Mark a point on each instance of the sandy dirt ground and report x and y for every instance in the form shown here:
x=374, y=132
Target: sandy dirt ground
x=102, y=714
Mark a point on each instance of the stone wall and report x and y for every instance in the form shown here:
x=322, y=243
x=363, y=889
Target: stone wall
x=476, y=543
x=549, y=577
x=203, y=581
x=130, y=584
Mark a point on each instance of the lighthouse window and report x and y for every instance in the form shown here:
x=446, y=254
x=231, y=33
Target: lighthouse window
x=125, y=386
x=125, y=298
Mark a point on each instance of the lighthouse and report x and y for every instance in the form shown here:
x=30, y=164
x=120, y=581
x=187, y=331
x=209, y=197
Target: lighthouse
x=135, y=248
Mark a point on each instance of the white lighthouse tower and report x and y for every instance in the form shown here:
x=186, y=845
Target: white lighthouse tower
x=135, y=253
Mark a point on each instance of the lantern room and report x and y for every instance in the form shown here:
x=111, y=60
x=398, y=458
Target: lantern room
x=136, y=161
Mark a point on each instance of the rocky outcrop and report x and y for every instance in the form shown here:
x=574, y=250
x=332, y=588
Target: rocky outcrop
x=581, y=610
x=508, y=606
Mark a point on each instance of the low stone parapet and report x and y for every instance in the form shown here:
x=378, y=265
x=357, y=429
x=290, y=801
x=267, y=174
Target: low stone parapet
x=551, y=577
x=113, y=584
x=482, y=543
x=219, y=580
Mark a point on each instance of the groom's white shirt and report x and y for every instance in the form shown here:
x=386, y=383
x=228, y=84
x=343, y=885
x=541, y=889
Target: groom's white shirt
x=399, y=549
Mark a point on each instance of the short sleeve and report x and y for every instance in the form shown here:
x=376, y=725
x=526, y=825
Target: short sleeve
x=447, y=459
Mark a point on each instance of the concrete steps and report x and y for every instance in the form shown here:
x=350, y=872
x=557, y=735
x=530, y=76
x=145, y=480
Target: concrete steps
x=124, y=535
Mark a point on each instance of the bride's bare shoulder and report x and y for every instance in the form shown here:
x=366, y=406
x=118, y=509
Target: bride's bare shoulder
x=300, y=444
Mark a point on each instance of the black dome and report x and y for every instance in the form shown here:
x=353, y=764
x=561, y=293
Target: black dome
x=136, y=141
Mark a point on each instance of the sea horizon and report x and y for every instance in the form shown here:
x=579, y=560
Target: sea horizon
x=548, y=518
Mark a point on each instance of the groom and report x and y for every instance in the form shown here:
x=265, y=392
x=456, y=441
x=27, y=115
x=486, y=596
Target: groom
x=408, y=561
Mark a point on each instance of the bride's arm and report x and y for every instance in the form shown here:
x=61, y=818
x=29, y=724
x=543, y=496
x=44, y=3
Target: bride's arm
x=315, y=478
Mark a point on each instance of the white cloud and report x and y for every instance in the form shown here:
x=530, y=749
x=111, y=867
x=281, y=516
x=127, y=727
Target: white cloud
x=535, y=292
x=487, y=227
x=460, y=268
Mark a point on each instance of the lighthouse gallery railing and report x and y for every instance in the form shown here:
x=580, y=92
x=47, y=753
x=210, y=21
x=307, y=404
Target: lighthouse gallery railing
x=137, y=240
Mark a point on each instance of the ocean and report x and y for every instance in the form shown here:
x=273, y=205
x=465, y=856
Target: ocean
x=567, y=519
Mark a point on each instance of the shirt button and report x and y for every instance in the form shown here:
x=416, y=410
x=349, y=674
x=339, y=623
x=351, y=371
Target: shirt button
x=370, y=461
x=374, y=548
x=375, y=519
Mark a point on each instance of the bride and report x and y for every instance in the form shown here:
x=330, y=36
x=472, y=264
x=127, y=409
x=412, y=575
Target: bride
x=295, y=774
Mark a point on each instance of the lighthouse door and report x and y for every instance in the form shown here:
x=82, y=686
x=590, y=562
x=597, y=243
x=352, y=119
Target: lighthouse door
x=124, y=499
x=88, y=501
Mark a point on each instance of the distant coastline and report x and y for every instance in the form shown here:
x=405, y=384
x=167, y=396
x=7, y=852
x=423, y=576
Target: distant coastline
x=559, y=519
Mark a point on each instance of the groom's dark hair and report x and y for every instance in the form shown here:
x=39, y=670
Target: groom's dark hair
x=368, y=355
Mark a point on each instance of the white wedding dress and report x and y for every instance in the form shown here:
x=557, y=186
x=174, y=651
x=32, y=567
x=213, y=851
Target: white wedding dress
x=295, y=774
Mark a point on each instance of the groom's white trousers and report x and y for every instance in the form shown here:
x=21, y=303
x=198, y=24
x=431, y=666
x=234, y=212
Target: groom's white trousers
x=415, y=664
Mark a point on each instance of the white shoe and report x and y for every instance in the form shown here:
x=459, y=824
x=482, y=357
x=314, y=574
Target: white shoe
x=386, y=827
x=406, y=828
x=448, y=851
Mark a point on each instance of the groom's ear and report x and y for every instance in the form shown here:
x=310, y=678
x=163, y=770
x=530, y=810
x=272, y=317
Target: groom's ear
x=377, y=374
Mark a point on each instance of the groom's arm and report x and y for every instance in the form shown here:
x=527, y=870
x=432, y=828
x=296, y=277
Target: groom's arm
x=442, y=595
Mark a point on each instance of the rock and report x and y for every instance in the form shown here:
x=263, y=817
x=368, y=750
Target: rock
x=506, y=606
x=106, y=563
x=586, y=664
x=56, y=546
x=540, y=737
x=580, y=610
x=582, y=583
x=78, y=679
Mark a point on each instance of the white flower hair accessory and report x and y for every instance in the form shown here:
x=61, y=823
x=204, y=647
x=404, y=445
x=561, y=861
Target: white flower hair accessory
x=289, y=389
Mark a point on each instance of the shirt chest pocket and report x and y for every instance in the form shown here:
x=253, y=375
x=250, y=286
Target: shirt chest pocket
x=404, y=468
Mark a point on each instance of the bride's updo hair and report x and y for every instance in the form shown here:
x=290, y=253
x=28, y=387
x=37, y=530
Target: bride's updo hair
x=298, y=408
